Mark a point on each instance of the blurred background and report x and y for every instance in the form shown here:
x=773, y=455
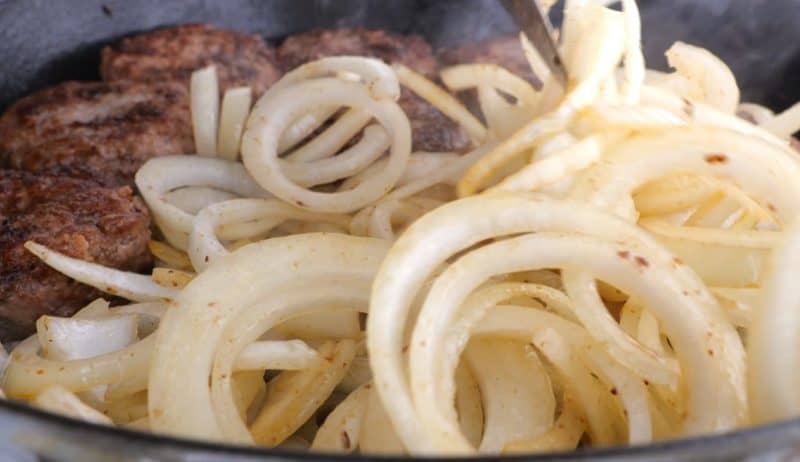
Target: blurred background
x=45, y=41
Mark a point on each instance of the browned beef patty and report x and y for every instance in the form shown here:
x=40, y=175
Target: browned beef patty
x=504, y=51
x=79, y=218
x=432, y=130
x=410, y=50
x=173, y=53
x=106, y=128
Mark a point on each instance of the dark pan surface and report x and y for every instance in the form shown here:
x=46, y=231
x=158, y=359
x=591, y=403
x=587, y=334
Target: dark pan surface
x=44, y=41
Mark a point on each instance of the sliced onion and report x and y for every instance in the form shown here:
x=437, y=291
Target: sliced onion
x=235, y=109
x=160, y=175
x=132, y=286
x=76, y=338
x=61, y=401
x=342, y=428
x=285, y=355
x=204, y=91
x=293, y=397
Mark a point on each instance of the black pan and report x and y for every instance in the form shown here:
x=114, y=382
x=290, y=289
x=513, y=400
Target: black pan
x=46, y=41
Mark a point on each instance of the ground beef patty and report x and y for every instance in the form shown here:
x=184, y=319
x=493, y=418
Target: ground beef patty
x=410, y=50
x=504, y=51
x=432, y=130
x=108, y=129
x=173, y=53
x=80, y=218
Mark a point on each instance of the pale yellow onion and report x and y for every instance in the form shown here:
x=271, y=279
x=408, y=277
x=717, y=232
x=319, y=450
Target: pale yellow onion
x=463, y=275
x=420, y=164
x=471, y=415
x=703, y=114
x=180, y=399
x=632, y=393
x=303, y=126
x=162, y=174
x=192, y=199
x=58, y=399
x=260, y=154
x=672, y=194
x=634, y=58
x=241, y=218
x=502, y=117
x=719, y=264
x=204, y=92
x=784, y=124
x=132, y=286
x=465, y=76
x=537, y=64
x=284, y=355
x=378, y=436
x=65, y=339
x=411, y=264
x=441, y=100
x=169, y=256
x=596, y=59
x=329, y=142
x=517, y=399
x=558, y=166
x=564, y=436
x=593, y=314
x=607, y=116
x=327, y=325
x=578, y=381
x=770, y=179
x=291, y=300
x=714, y=81
x=758, y=113
x=380, y=220
x=28, y=374
x=714, y=236
x=342, y=428
x=292, y=397
x=373, y=73
x=446, y=174
x=248, y=386
x=718, y=212
x=235, y=108
x=368, y=149
x=773, y=337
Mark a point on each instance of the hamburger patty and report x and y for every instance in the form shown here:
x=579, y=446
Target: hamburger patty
x=432, y=130
x=79, y=218
x=410, y=50
x=108, y=129
x=173, y=53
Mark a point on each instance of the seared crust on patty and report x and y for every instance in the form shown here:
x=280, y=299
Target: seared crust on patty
x=173, y=53
x=111, y=128
x=79, y=218
x=410, y=50
x=431, y=130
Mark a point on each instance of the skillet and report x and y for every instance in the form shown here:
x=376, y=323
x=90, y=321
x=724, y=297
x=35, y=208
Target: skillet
x=43, y=42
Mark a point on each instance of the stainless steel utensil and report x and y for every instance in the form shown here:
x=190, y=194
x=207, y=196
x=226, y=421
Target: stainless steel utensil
x=533, y=21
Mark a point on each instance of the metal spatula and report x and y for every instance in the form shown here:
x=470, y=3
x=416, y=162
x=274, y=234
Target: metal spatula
x=533, y=21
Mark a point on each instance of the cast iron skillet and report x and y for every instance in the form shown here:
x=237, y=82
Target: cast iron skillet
x=43, y=42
